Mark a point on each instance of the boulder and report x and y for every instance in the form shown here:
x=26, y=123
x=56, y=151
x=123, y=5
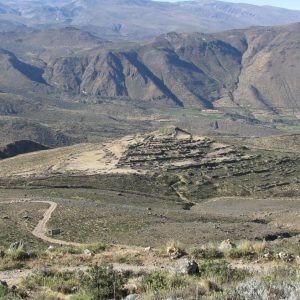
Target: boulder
x=2, y=253
x=268, y=256
x=74, y=290
x=19, y=246
x=25, y=255
x=186, y=266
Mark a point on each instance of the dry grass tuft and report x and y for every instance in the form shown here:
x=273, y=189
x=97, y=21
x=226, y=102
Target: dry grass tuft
x=245, y=247
x=174, y=244
x=259, y=247
x=174, y=249
x=207, y=287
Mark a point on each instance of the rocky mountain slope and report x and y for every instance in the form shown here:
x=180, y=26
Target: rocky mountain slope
x=132, y=19
x=67, y=85
x=253, y=69
x=268, y=79
x=187, y=69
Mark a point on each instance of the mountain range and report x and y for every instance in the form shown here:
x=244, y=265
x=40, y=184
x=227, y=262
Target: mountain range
x=62, y=84
x=254, y=69
x=138, y=19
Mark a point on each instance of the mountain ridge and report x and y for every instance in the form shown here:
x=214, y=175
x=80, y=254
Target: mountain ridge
x=245, y=68
x=62, y=86
x=192, y=69
x=131, y=20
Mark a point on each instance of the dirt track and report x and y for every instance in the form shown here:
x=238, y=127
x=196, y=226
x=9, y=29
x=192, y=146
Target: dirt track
x=230, y=206
x=41, y=228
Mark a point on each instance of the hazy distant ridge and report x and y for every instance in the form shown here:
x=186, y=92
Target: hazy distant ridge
x=139, y=18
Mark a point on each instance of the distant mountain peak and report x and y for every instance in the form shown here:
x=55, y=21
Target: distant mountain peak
x=141, y=19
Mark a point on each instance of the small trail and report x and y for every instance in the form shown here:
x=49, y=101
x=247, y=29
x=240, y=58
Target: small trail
x=178, y=193
x=41, y=228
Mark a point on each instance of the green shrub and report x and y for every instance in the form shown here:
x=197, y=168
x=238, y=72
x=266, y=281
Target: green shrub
x=155, y=281
x=96, y=247
x=287, y=246
x=289, y=274
x=3, y=291
x=128, y=259
x=62, y=282
x=221, y=272
x=244, y=249
x=7, y=264
x=259, y=247
x=103, y=282
x=207, y=252
x=18, y=254
x=82, y=295
x=161, y=281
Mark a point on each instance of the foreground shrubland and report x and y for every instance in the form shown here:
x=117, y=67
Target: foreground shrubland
x=241, y=270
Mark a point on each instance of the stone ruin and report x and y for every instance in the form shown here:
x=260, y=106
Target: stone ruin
x=175, y=149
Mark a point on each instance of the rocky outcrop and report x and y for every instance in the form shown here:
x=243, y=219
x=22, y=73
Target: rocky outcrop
x=20, y=147
x=186, y=267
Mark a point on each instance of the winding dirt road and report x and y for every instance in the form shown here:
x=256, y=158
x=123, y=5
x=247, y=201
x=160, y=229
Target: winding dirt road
x=41, y=228
x=14, y=277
